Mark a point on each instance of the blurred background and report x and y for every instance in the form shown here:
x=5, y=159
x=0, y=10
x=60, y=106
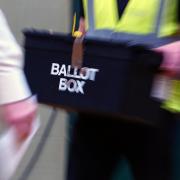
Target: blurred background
x=54, y=15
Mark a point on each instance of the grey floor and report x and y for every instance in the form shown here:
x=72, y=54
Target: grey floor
x=52, y=161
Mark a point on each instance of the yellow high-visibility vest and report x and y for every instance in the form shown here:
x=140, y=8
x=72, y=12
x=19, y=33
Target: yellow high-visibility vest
x=139, y=16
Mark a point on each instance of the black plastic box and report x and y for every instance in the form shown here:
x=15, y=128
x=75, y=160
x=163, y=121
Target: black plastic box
x=119, y=81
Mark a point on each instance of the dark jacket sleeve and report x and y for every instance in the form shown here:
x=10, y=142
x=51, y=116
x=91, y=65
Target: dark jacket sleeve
x=179, y=11
x=81, y=9
x=78, y=10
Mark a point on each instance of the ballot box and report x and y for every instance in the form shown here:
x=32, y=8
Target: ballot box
x=115, y=78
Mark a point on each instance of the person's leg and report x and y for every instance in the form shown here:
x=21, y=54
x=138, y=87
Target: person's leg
x=92, y=155
x=175, y=148
x=150, y=158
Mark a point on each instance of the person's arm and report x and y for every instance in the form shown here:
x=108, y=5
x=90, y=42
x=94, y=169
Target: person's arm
x=13, y=85
x=15, y=107
x=171, y=60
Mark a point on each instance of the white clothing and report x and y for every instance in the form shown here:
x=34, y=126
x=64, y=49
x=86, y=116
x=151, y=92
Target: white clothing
x=13, y=85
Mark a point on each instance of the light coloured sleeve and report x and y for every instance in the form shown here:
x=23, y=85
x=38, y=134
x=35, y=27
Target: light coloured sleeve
x=13, y=85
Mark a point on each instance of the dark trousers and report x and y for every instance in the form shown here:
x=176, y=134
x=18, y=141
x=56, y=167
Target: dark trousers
x=99, y=142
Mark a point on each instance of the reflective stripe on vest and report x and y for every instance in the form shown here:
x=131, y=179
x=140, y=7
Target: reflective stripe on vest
x=139, y=17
